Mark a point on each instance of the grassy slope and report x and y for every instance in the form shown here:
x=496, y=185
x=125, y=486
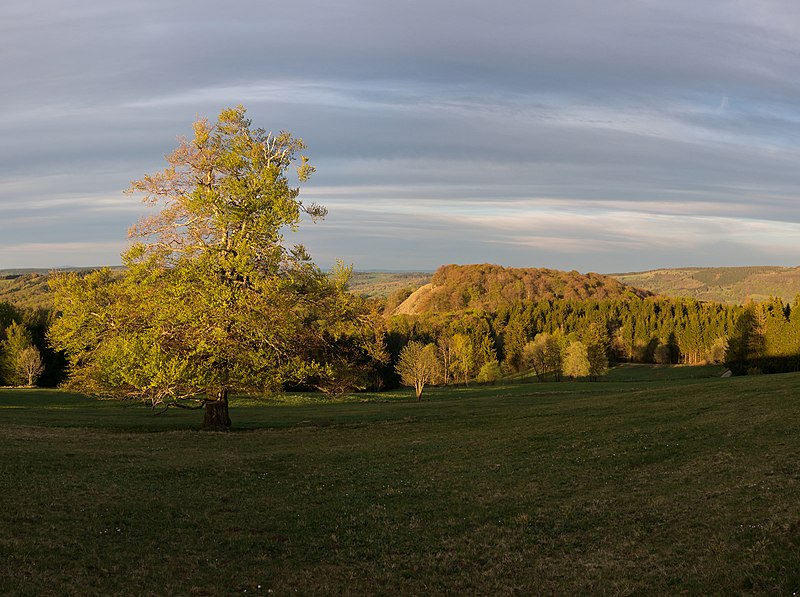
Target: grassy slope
x=721, y=284
x=383, y=284
x=654, y=482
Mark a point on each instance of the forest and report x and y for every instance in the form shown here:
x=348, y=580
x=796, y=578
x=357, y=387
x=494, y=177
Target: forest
x=505, y=339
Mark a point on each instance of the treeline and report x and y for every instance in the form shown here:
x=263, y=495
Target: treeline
x=549, y=339
x=766, y=339
x=25, y=357
x=561, y=337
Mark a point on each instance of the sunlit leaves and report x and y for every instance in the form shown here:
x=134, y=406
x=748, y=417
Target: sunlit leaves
x=212, y=299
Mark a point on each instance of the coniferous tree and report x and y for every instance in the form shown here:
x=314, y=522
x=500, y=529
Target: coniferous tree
x=13, y=349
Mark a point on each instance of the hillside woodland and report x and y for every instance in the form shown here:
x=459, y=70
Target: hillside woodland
x=486, y=321
x=492, y=287
x=26, y=289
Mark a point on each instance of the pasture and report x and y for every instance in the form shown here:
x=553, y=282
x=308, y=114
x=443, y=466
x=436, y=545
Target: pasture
x=653, y=481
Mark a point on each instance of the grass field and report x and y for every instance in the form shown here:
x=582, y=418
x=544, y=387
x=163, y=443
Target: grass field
x=654, y=481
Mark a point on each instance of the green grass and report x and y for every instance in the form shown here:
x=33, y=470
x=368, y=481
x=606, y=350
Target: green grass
x=653, y=481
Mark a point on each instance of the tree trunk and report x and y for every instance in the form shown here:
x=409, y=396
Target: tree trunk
x=216, y=415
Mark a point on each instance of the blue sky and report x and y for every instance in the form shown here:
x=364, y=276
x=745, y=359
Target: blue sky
x=598, y=136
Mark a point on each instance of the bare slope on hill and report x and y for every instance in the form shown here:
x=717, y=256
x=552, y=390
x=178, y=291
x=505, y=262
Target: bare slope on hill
x=719, y=284
x=491, y=287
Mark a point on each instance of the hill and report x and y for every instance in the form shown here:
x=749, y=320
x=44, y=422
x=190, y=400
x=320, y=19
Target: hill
x=28, y=288
x=733, y=285
x=385, y=284
x=25, y=288
x=491, y=287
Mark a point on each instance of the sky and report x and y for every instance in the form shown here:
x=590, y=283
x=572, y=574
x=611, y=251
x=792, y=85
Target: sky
x=611, y=136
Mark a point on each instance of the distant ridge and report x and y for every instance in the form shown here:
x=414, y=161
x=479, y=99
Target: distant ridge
x=456, y=287
x=490, y=287
x=733, y=285
x=28, y=287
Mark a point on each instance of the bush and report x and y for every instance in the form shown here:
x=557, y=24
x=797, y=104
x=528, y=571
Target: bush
x=490, y=372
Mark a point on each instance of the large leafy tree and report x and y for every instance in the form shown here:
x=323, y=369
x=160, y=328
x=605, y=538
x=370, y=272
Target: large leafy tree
x=212, y=299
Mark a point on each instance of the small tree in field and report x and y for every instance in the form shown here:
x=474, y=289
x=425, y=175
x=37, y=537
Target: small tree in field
x=418, y=365
x=16, y=342
x=30, y=364
x=212, y=300
x=490, y=372
x=576, y=361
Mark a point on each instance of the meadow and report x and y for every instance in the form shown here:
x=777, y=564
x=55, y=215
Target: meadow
x=656, y=481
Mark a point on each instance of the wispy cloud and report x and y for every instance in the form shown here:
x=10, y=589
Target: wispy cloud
x=574, y=134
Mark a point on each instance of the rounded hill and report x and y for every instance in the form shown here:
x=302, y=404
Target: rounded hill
x=491, y=287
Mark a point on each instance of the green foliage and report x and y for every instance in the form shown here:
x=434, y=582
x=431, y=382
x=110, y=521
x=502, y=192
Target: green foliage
x=353, y=348
x=514, y=341
x=8, y=314
x=613, y=330
x=489, y=372
x=463, y=356
x=597, y=345
x=30, y=364
x=25, y=358
x=765, y=338
x=664, y=354
x=15, y=359
x=418, y=366
x=212, y=300
x=576, y=360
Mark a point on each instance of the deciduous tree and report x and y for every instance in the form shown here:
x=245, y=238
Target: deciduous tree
x=597, y=341
x=576, y=361
x=212, y=300
x=463, y=356
x=534, y=356
x=30, y=364
x=418, y=365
